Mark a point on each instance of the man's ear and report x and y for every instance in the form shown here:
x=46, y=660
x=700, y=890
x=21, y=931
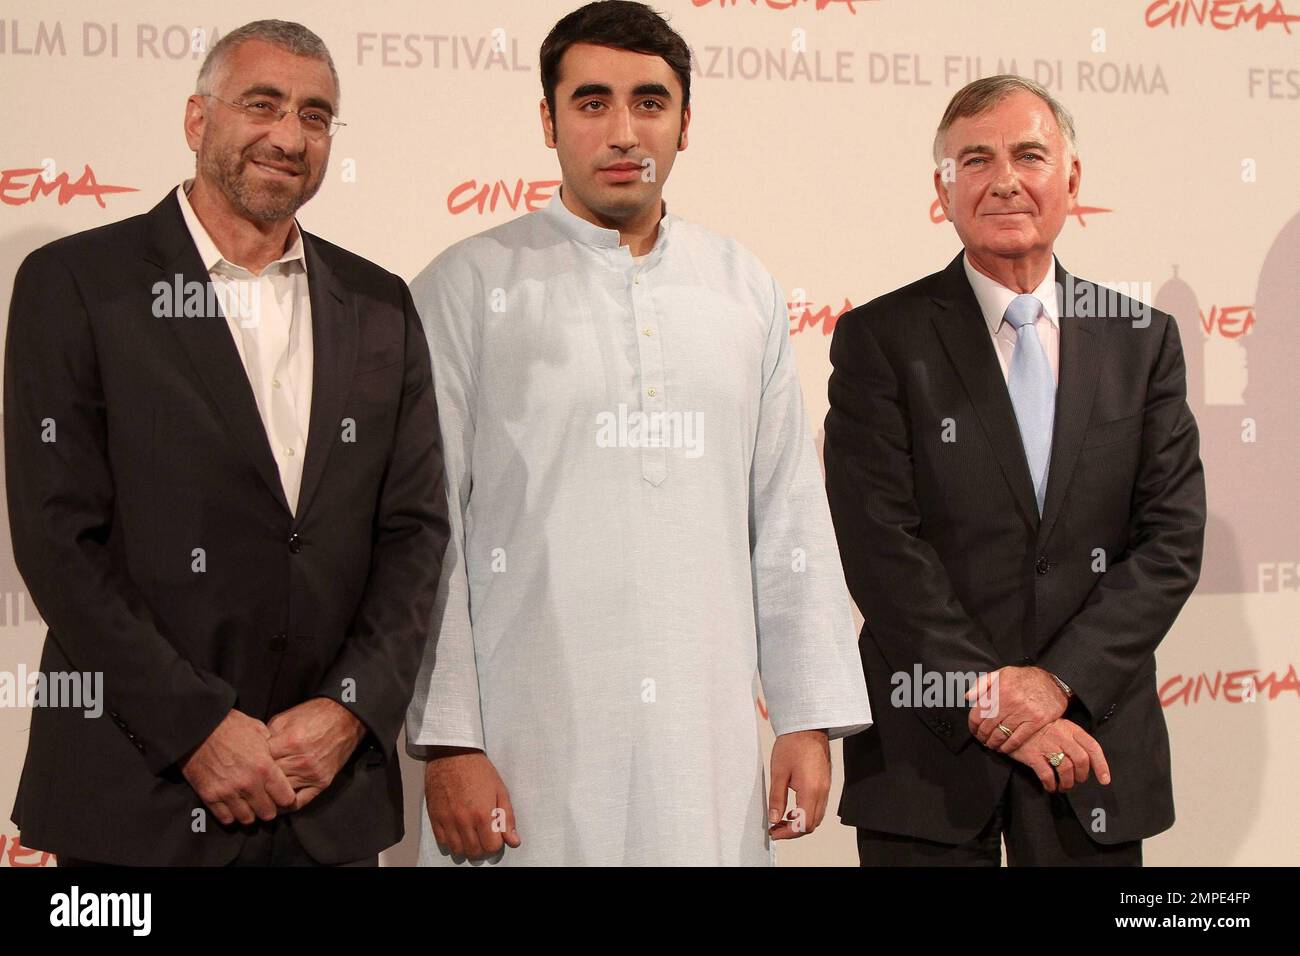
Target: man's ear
x=194, y=121
x=682, y=141
x=548, y=123
x=1076, y=176
x=941, y=189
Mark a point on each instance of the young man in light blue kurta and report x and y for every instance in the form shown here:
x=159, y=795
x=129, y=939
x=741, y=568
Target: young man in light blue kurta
x=639, y=527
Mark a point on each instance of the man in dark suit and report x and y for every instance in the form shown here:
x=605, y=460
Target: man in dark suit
x=225, y=492
x=1015, y=483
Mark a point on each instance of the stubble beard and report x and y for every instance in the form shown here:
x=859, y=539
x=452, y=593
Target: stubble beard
x=260, y=201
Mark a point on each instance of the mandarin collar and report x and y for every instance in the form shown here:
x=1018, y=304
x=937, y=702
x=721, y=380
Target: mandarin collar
x=600, y=238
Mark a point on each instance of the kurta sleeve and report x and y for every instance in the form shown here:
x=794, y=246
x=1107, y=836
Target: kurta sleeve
x=444, y=710
x=807, y=652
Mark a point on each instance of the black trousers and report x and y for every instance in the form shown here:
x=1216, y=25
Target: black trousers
x=1039, y=828
x=269, y=843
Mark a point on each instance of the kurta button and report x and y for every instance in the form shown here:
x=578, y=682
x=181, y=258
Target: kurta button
x=1043, y=565
x=295, y=543
x=279, y=642
x=651, y=392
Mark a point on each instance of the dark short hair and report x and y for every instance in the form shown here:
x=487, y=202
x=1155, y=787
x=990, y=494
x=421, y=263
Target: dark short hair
x=620, y=24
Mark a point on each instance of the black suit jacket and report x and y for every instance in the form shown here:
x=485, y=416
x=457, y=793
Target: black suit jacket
x=158, y=450
x=952, y=568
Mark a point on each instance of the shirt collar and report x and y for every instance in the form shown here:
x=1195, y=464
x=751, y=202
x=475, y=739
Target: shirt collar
x=994, y=297
x=608, y=240
x=211, y=255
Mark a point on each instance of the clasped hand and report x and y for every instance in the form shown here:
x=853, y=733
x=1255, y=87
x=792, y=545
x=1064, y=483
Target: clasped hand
x=1029, y=704
x=247, y=770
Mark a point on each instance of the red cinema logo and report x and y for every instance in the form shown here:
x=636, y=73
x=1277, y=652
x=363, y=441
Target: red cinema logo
x=1228, y=321
x=1219, y=14
x=936, y=212
x=486, y=197
x=1233, y=687
x=19, y=186
x=19, y=855
x=804, y=315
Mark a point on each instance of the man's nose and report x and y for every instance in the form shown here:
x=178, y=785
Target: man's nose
x=287, y=134
x=621, y=134
x=1006, y=183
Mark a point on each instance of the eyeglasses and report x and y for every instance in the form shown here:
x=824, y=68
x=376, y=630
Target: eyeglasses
x=315, y=121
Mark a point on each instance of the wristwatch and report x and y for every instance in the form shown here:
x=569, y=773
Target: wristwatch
x=1065, y=688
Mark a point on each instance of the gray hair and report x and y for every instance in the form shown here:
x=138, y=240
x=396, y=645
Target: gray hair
x=982, y=95
x=291, y=37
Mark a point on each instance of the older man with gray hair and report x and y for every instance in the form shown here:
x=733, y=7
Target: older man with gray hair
x=1016, y=488
x=225, y=492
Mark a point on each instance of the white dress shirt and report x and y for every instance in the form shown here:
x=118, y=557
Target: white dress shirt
x=269, y=316
x=994, y=298
x=608, y=600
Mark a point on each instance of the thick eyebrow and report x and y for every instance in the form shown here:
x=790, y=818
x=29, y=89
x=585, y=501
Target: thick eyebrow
x=263, y=89
x=1030, y=145
x=600, y=89
x=267, y=90
x=591, y=89
x=652, y=89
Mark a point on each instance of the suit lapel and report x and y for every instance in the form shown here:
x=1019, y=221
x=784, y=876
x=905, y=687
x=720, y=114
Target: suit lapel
x=965, y=336
x=1080, y=353
x=334, y=354
x=208, y=343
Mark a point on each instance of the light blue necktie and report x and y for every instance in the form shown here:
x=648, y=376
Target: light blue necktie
x=1033, y=391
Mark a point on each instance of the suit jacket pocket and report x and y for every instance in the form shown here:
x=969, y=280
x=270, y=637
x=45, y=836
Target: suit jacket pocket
x=1113, y=432
x=381, y=358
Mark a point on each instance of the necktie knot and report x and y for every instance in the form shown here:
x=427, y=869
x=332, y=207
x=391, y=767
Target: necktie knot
x=1022, y=311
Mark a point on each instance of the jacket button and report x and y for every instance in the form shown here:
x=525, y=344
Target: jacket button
x=295, y=543
x=279, y=642
x=1043, y=565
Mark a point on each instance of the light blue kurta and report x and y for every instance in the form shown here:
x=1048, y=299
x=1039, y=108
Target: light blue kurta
x=615, y=582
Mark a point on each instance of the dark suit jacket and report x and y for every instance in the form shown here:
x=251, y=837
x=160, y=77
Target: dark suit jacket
x=952, y=568
x=159, y=450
